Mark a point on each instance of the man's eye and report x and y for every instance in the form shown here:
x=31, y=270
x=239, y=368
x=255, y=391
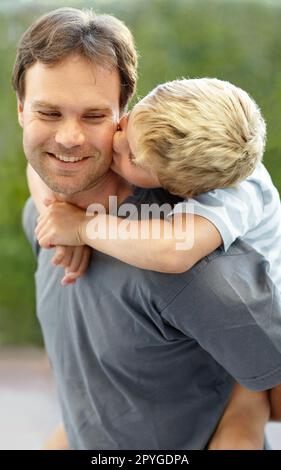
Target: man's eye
x=49, y=114
x=94, y=117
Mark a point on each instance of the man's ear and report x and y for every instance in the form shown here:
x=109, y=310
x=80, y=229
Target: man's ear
x=123, y=122
x=20, y=111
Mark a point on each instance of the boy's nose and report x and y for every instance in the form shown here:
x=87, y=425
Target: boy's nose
x=70, y=135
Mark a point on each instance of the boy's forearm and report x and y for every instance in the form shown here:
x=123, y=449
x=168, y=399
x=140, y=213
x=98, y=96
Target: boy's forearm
x=158, y=245
x=147, y=244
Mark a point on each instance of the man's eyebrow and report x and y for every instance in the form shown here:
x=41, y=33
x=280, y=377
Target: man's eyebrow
x=102, y=108
x=44, y=104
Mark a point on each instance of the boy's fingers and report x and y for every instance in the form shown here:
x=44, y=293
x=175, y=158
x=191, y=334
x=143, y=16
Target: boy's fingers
x=67, y=259
x=71, y=276
x=85, y=260
x=40, y=233
x=59, y=254
x=66, y=280
x=87, y=253
x=76, y=259
x=44, y=242
x=40, y=228
x=41, y=219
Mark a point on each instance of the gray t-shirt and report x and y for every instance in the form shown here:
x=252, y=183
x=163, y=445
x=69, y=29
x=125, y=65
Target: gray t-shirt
x=146, y=360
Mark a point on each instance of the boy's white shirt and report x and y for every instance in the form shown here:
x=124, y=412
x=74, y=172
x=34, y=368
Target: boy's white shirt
x=251, y=211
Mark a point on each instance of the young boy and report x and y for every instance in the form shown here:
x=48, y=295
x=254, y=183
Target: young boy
x=190, y=137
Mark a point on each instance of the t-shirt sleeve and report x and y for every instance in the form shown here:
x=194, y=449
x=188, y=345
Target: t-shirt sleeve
x=233, y=311
x=29, y=222
x=233, y=211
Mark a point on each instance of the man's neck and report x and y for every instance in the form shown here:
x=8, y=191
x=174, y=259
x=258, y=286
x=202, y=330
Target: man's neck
x=111, y=184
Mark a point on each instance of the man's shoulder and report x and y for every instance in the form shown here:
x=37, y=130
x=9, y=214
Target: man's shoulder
x=239, y=273
x=238, y=250
x=236, y=279
x=29, y=221
x=224, y=291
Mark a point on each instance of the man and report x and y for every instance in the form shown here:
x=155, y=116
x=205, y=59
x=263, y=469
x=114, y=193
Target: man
x=142, y=360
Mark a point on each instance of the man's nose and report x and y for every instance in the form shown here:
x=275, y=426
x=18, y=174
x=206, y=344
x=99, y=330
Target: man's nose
x=70, y=134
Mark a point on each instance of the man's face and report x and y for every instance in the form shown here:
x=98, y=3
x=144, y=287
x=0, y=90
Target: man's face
x=69, y=115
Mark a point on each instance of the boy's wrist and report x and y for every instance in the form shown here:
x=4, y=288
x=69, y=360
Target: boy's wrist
x=82, y=231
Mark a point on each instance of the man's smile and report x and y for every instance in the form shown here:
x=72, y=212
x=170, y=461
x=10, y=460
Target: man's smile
x=66, y=158
x=67, y=161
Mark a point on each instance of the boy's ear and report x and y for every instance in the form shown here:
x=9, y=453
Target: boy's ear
x=20, y=111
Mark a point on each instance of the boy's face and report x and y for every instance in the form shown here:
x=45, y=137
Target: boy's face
x=124, y=151
x=69, y=115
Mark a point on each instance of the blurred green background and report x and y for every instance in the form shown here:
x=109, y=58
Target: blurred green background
x=237, y=41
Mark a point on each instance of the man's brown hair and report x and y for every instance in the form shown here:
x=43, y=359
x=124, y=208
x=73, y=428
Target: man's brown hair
x=102, y=39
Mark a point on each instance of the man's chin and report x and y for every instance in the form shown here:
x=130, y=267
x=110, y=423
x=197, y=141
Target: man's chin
x=66, y=188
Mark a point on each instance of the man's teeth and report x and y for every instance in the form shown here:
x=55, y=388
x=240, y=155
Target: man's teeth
x=68, y=159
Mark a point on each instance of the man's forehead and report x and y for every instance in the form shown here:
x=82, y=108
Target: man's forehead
x=73, y=81
x=74, y=61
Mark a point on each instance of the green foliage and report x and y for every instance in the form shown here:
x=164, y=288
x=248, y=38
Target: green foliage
x=235, y=41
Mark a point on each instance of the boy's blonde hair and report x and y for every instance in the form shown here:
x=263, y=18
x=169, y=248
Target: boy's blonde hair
x=199, y=134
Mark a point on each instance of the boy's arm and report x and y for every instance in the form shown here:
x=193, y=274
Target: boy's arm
x=158, y=245
x=242, y=424
x=38, y=189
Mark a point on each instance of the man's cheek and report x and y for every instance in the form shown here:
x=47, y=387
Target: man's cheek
x=34, y=133
x=29, y=141
x=107, y=133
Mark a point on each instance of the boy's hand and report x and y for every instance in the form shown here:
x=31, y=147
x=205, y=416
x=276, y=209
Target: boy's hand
x=61, y=224
x=74, y=259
